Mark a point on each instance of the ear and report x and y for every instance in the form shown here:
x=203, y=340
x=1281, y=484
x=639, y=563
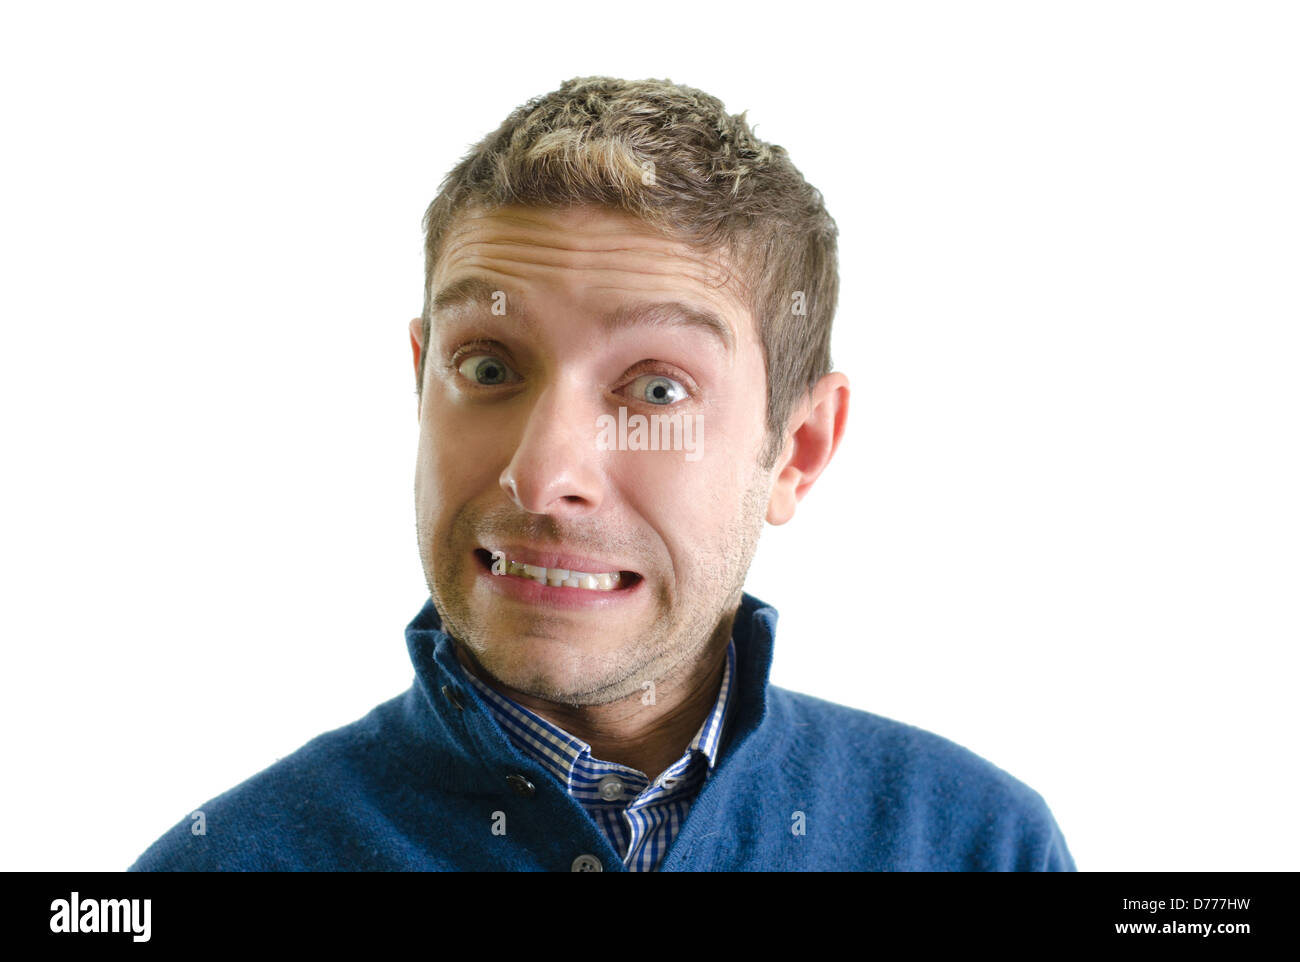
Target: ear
x=417, y=331
x=815, y=430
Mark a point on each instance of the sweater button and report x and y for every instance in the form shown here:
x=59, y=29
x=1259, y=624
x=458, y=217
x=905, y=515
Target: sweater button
x=521, y=785
x=587, y=863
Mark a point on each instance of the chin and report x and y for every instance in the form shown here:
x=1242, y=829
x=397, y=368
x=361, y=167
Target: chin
x=556, y=680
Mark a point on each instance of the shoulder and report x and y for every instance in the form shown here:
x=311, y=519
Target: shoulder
x=893, y=749
x=919, y=784
x=291, y=815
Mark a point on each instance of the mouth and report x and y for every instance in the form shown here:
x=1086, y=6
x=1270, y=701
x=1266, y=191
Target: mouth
x=501, y=564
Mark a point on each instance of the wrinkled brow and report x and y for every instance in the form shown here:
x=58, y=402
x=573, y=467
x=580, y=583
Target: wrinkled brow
x=479, y=292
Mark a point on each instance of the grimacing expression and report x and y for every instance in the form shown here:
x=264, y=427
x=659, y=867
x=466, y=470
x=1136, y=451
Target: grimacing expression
x=508, y=451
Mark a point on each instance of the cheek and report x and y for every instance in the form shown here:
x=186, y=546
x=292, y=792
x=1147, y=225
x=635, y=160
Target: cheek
x=689, y=504
x=455, y=461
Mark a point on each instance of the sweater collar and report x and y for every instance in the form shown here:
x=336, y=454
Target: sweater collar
x=456, y=710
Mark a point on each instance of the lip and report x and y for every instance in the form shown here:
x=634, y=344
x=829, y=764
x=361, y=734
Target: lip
x=528, y=591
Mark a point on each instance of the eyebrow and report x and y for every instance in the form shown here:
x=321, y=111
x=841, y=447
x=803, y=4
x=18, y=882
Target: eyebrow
x=476, y=291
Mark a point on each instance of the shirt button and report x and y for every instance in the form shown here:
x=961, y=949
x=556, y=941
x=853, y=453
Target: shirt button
x=610, y=788
x=521, y=785
x=587, y=863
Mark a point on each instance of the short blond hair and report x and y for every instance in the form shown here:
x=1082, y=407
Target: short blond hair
x=713, y=185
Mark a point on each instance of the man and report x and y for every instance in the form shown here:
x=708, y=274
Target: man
x=623, y=370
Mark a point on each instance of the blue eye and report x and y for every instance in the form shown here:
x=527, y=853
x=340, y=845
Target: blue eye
x=657, y=389
x=485, y=369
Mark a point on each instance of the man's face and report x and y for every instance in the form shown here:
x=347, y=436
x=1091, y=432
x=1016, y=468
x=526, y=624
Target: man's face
x=510, y=456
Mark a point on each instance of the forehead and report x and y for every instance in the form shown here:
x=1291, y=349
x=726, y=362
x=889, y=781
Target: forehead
x=589, y=257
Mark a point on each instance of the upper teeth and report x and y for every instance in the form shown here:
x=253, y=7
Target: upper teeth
x=555, y=577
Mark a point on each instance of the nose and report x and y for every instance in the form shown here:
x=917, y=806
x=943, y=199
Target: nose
x=556, y=468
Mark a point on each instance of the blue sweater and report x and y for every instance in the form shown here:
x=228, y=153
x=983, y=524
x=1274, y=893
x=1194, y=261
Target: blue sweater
x=429, y=782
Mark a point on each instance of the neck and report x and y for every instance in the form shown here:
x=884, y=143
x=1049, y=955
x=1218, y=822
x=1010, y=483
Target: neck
x=646, y=737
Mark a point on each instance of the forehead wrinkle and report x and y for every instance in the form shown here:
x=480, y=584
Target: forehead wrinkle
x=503, y=267
x=709, y=275
x=481, y=243
x=547, y=240
x=486, y=229
x=477, y=292
x=695, y=265
x=712, y=321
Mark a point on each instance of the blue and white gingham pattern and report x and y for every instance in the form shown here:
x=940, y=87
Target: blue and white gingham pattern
x=643, y=823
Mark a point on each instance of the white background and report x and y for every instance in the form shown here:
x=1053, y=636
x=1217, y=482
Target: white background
x=1061, y=530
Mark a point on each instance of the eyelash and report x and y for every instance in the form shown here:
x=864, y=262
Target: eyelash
x=639, y=369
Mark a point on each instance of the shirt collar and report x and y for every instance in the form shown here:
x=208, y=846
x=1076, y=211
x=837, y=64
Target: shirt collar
x=560, y=752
